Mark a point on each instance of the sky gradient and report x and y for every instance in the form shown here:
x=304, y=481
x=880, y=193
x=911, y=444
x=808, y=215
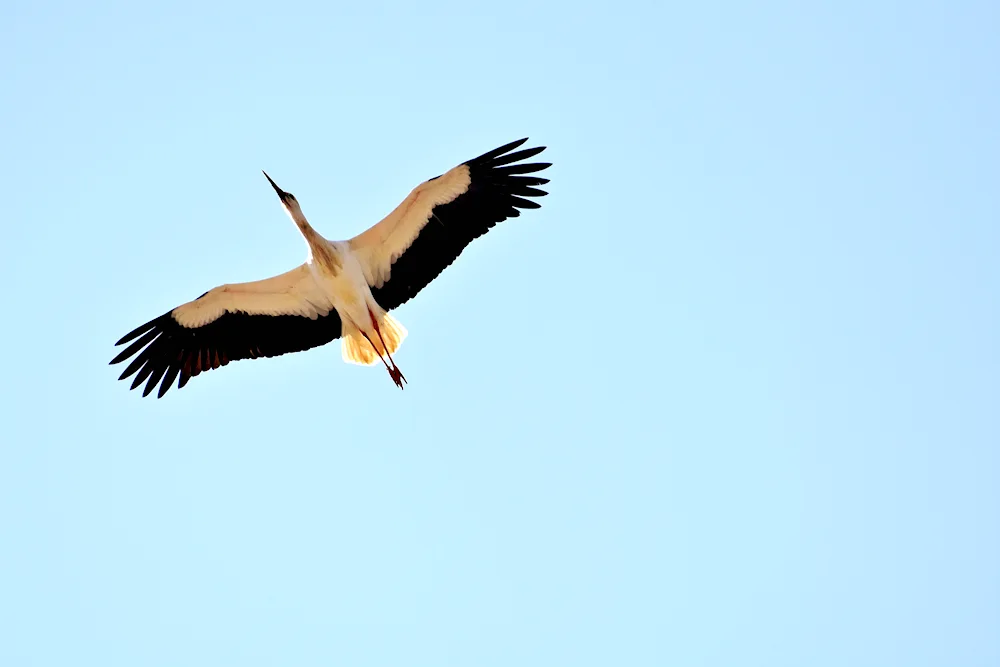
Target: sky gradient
x=729, y=398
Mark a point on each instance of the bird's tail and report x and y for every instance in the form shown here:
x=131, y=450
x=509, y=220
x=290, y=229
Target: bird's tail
x=357, y=349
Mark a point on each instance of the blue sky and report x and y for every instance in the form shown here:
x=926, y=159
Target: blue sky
x=729, y=398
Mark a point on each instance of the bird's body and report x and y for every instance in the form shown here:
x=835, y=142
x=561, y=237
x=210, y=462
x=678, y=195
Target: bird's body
x=339, y=275
x=345, y=288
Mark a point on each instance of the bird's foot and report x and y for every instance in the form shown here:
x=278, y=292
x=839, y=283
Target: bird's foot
x=397, y=376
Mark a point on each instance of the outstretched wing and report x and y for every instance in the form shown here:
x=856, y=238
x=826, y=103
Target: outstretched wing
x=412, y=245
x=266, y=318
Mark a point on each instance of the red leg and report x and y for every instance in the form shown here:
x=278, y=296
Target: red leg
x=393, y=371
x=396, y=374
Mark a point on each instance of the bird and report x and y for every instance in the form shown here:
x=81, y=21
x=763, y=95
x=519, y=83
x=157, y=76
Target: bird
x=344, y=289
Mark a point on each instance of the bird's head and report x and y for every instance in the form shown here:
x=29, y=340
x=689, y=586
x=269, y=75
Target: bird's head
x=287, y=198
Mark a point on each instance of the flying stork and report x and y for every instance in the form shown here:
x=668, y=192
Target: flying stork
x=345, y=288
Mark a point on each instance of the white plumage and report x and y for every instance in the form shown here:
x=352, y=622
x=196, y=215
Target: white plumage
x=293, y=293
x=345, y=288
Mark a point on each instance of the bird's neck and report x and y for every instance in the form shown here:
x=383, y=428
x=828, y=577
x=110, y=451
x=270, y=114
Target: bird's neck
x=311, y=236
x=320, y=250
x=300, y=221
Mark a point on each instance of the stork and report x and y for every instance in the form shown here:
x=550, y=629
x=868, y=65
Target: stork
x=345, y=288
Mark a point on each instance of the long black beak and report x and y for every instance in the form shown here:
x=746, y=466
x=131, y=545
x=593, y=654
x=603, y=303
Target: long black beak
x=281, y=193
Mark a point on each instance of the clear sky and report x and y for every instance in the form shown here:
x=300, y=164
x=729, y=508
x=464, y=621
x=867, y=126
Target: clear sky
x=731, y=397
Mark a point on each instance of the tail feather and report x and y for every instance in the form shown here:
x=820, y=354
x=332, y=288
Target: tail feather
x=356, y=348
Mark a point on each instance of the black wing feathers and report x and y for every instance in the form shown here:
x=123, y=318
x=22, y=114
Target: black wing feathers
x=167, y=350
x=496, y=191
